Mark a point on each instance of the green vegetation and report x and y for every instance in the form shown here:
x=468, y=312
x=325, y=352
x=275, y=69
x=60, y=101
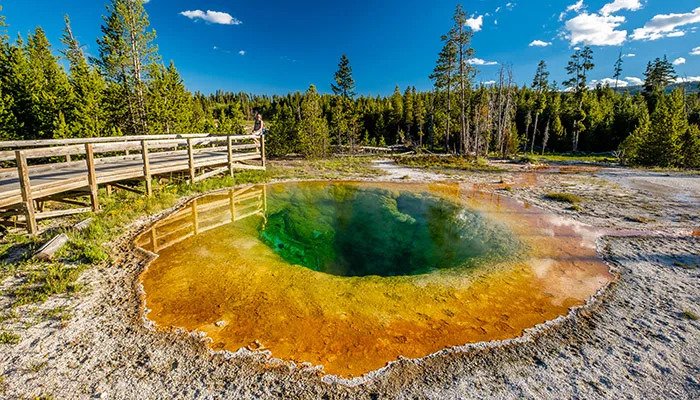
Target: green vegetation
x=563, y=198
x=446, y=162
x=567, y=158
x=128, y=89
x=9, y=338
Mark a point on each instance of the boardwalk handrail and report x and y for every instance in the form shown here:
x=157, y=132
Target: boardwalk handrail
x=157, y=155
x=69, y=147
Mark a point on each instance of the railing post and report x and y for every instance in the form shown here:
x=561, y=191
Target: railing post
x=262, y=149
x=190, y=154
x=92, y=177
x=26, y=188
x=146, y=168
x=230, y=155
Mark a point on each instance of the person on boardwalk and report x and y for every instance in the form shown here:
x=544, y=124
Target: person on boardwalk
x=259, y=127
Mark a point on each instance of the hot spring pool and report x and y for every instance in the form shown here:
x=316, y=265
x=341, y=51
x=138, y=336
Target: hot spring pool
x=353, y=275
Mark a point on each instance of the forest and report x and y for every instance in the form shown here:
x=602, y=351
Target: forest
x=128, y=89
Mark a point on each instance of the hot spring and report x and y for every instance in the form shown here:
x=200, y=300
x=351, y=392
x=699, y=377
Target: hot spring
x=351, y=276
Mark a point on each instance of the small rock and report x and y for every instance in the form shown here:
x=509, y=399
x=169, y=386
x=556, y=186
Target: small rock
x=220, y=323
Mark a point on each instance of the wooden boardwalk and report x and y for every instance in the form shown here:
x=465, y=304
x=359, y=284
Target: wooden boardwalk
x=55, y=170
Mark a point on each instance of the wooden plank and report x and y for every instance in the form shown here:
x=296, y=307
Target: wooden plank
x=210, y=174
x=26, y=188
x=146, y=168
x=62, y=213
x=92, y=177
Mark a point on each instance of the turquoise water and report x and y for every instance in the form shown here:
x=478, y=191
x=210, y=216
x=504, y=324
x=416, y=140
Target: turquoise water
x=349, y=230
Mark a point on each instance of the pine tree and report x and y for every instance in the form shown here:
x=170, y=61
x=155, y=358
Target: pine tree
x=443, y=80
x=344, y=83
x=408, y=116
x=659, y=74
x=87, y=118
x=617, y=72
x=344, y=124
x=170, y=104
x=314, y=139
x=540, y=84
x=397, y=112
x=580, y=63
x=420, y=113
x=51, y=93
x=461, y=37
x=126, y=53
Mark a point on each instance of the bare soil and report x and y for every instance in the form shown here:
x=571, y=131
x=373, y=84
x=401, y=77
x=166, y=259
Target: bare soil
x=636, y=340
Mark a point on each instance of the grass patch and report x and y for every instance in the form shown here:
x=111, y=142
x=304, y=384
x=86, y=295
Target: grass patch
x=447, y=162
x=9, y=338
x=568, y=158
x=46, y=280
x=61, y=313
x=563, y=197
x=690, y=315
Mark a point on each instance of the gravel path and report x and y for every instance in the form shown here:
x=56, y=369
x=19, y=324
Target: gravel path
x=633, y=342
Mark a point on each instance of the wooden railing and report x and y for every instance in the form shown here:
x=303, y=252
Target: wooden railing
x=204, y=214
x=48, y=167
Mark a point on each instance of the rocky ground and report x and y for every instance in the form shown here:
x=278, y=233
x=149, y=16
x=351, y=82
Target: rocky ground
x=639, y=339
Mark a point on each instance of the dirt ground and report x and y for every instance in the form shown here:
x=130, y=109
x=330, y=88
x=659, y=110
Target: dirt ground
x=636, y=340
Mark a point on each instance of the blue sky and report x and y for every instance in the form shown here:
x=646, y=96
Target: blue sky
x=277, y=46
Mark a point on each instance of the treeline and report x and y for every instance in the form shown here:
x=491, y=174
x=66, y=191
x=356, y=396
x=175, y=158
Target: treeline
x=127, y=89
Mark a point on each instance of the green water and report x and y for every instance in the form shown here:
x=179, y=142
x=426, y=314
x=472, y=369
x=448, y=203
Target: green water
x=350, y=230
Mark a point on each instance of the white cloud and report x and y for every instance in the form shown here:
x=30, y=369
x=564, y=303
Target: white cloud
x=695, y=52
x=539, y=43
x=488, y=83
x=241, y=52
x=475, y=23
x=608, y=82
x=576, y=7
x=617, y=5
x=596, y=30
x=629, y=55
x=666, y=25
x=679, y=61
x=214, y=17
x=634, y=81
x=479, y=61
x=687, y=79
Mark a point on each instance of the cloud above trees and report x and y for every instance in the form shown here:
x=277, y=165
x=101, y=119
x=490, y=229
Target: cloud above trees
x=212, y=17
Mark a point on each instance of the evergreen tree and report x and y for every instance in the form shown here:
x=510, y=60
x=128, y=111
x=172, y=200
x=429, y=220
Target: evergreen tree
x=443, y=80
x=617, y=71
x=126, y=54
x=580, y=63
x=461, y=36
x=344, y=123
x=540, y=84
x=408, y=116
x=314, y=139
x=169, y=103
x=397, y=112
x=420, y=113
x=659, y=74
x=87, y=115
x=50, y=91
x=344, y=83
